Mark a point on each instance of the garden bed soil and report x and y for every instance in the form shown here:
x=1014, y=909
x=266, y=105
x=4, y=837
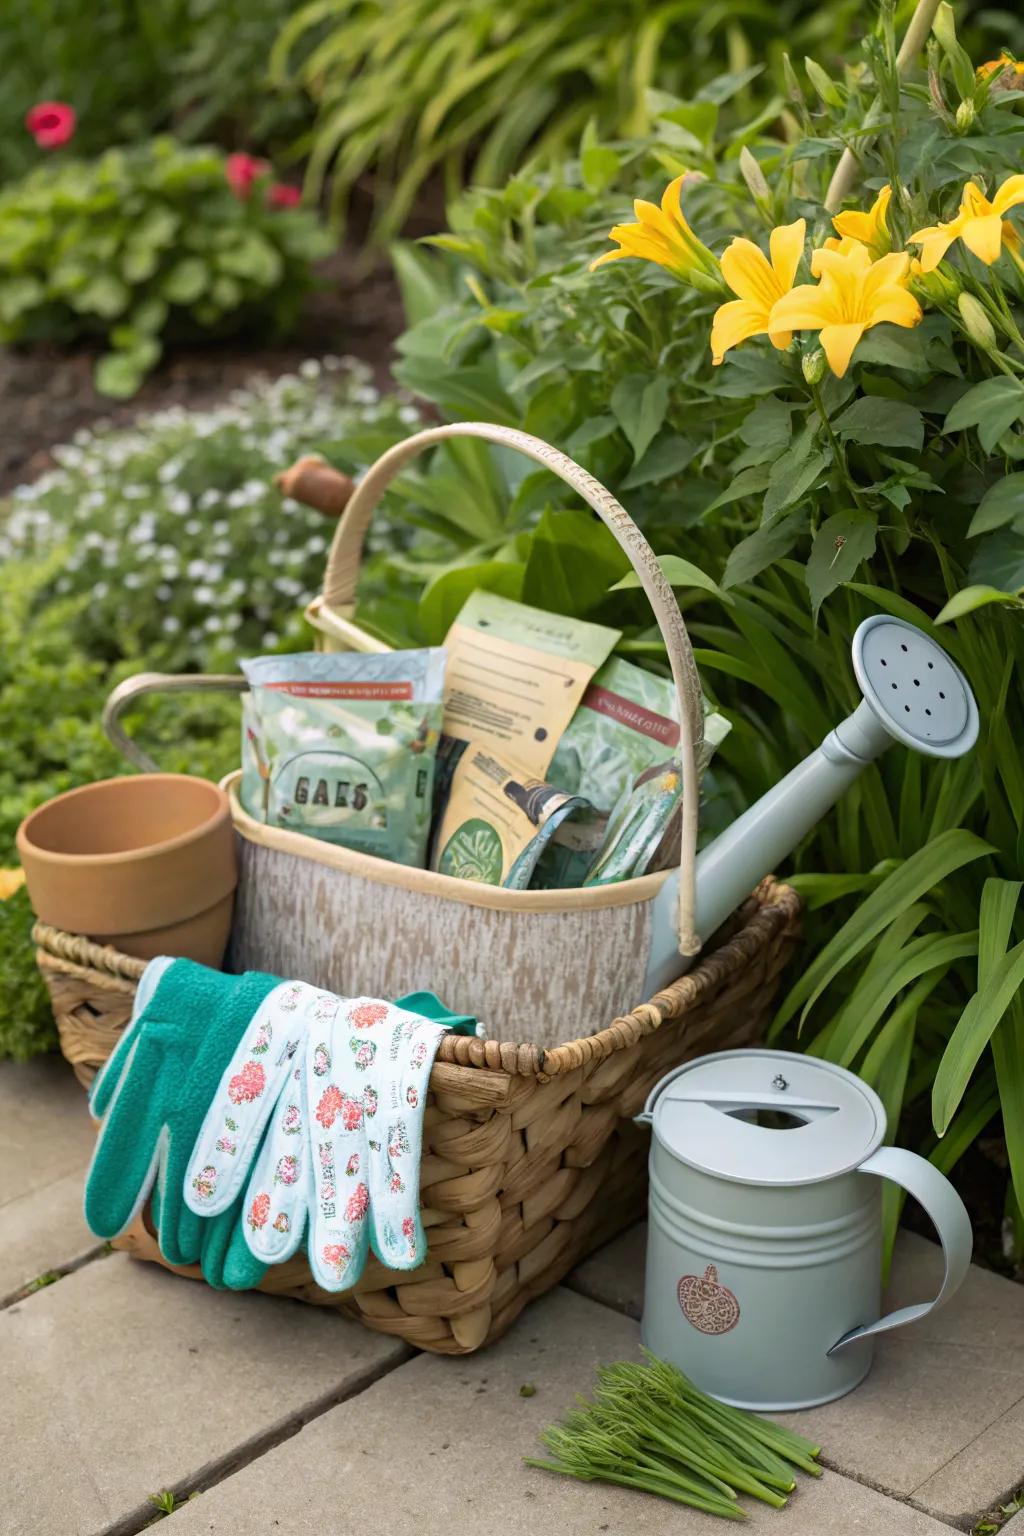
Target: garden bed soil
x=47, y=393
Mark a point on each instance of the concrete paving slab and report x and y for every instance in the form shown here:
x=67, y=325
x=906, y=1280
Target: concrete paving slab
x=41, y=1232
x=435, y=1449
x=45, y=1129
x=124, y=1380
x=937, y=1418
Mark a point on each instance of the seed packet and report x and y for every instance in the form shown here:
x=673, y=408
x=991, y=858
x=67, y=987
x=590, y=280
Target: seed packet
x=497, y=820
x=644, y=827
x=342, y=746
x=625, y=725
x=515, y=676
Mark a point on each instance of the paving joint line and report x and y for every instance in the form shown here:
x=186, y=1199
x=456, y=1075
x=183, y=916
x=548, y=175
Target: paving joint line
x=58, y=1273
x=251, y=1450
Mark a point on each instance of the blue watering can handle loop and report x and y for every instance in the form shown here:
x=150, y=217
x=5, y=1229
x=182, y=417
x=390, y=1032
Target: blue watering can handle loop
x=949, y=1216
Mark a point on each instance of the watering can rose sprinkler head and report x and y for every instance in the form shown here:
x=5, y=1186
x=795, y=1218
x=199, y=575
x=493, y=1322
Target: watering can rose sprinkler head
x=914, y=694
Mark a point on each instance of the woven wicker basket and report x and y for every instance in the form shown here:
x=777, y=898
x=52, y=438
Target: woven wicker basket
x=530, y=1157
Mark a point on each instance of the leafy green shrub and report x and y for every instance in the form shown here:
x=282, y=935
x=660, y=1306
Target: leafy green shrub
x=197, y=66
x=143, y=244
x=785, y=510
x=162, y=548
x=404, y=88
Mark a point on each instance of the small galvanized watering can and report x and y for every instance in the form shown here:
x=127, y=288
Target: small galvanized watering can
x=765, y=1227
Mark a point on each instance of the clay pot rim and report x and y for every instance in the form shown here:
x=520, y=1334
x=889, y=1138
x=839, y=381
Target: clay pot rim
x=221, y=810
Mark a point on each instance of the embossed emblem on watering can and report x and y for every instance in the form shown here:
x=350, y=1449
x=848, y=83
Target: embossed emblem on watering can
x=710, y=1307
x=764, y=1239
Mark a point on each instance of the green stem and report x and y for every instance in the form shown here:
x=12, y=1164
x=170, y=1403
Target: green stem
x=914, y=40
x=837, y=447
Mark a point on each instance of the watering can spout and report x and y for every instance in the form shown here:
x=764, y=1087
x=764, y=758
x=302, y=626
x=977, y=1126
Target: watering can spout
x=913, y=694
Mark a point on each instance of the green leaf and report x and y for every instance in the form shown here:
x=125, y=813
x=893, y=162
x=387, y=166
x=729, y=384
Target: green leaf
x=573, y=561
x=887, y=423
x=678, y=573
x=254, y=258
x=639, y=402
x=185, y=281
x=893, y=346
x=1001, y=504
x=841, y=544
x=791, y=479
x=924, y=870
x=599, y=166
x=973, y=1031
x=992, y=407
x=104, y=295
x=767, y=429
x=119, y=375
x=422, y=282
x=929, y=956
x=998, y=561
x=18, y=295
x=444, y=597
x=665, y=457
x=770, y=542
x=970, y=598
x=749, y=482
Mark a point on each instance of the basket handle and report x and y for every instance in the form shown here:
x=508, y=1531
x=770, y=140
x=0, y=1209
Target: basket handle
x=345, y=558
x=141, y=683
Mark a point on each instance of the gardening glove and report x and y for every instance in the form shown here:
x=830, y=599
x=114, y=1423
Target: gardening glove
x=241, y=1105
x=276, y=1204
x=104, y=1084
x=402, y=1067
x=169, y=1069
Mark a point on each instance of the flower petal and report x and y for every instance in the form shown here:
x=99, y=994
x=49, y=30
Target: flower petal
x=934, y=241
x=888, y=271
x=806, y=308
x=839, y=342
x=671, y=200
x=1009, y=194
x=786, y=244
x=745, y=268
x=895, y=307
x=984, y=237
x=735, y=322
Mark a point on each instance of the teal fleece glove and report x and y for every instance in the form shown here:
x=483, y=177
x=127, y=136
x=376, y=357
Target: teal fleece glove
x=154, y=1095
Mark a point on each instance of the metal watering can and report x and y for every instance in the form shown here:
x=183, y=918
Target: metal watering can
x=765, y=1227
x=913, y=694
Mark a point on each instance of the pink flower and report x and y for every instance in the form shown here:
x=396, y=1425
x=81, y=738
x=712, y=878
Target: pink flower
x=241, y=171
x=259, y=1211
x=280, y=195
x=352, y=1114
x=352, y=1167
x=51, y=123
x=248, y=1084
x=408, y=1228
x=336, y=1255
x=367, y=1015
x=358, y=1203
x=331, y=1101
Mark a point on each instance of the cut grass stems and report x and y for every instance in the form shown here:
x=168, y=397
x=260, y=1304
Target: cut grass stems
x=650, y=1428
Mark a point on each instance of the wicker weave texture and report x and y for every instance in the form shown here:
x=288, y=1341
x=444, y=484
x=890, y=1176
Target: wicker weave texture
x=528, y=1163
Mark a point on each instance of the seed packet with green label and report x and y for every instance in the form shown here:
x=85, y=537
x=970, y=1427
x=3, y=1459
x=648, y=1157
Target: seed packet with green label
x=342, y=746
x=625, y=726
x=497, y=821
x=643, y=829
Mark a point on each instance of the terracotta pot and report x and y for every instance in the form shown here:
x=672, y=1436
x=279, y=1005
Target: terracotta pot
x=145, y=863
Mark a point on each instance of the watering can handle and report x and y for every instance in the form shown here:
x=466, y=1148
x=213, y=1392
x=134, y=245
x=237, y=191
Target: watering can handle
x=949, y=1216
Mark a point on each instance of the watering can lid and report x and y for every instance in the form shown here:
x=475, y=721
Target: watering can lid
x=704, y=1114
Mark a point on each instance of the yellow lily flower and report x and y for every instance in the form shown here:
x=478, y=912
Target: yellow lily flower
x=1012, y=68
x=870, y=229
x=662, y=235
x=11, y=880
x=853, y=294
x=759, y=284
x=979, y=224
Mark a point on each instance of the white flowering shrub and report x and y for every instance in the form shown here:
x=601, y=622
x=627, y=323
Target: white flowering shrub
x=174, y=532
x=161, y=548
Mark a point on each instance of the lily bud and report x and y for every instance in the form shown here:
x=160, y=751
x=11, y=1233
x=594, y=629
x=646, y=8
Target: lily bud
x=965, y=115
x=942, y=285
x=754, y=177
x=814, y=366
x=976, y=322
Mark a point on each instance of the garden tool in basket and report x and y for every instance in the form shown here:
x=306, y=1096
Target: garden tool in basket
x=551, y=966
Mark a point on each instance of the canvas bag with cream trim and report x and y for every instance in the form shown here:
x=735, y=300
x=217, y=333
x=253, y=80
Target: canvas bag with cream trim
x=544, y=966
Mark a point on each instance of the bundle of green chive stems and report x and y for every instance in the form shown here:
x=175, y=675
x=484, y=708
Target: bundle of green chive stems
x=650, y=1428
